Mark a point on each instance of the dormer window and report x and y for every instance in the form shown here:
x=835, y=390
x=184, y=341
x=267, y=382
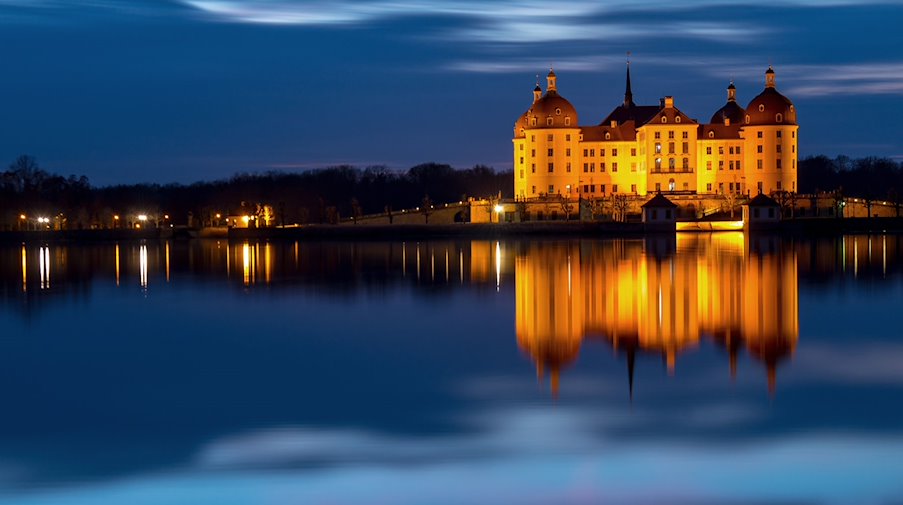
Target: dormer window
x=557, y=112
x=533, y=121
x=548, y=121
x=664, y=119
x=607, y=136
x=711, y=135
x=567, y=121
x=761, y=107
x=747, y=119
x=779, y=117
x=677, y=119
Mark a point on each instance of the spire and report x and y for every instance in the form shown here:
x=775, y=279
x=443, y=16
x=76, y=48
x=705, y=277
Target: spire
x=552, y=81
x=537, y=91
x=628, y=94
x=769, y=77
x=631, y=362
x=731, y=92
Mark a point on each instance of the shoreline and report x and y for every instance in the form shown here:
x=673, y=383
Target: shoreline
x=581, y=229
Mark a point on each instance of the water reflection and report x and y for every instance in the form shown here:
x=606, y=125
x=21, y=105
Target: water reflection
x=659, y=298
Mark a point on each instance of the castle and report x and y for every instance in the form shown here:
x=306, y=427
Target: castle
x=647, y=149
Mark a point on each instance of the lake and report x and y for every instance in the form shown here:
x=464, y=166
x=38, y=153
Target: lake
x=687, y=369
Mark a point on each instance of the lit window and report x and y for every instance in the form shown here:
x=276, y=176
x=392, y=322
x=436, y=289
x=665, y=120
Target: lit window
x=567, y=121
x=633, y=167
x=677, y=119
x=761, y=107
x=548, y=121
x=658, y=164
x=658, y=147
x=607, y=136
x=664, y=119
x=711, y=136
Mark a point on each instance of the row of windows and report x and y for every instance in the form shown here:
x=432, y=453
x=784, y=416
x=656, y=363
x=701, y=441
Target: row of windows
x=683, y=135
x=672, y=186
x=567, y=121
x=731, y=166
x=730, y=150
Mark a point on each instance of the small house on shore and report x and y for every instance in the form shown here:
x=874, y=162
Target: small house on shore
x=659, y=214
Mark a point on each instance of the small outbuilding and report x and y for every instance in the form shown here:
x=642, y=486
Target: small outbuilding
x=761, y=213
x=659, y=214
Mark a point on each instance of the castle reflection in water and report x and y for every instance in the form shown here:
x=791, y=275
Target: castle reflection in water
x=659, y=296
x=656, y=296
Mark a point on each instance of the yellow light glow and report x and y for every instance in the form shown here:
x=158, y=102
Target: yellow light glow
x=499, y=209
x=246, y=219
x=142, y=217
x=21, y=216
x=116, y=217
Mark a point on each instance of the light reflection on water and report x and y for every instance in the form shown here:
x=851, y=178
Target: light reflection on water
x=695, y=369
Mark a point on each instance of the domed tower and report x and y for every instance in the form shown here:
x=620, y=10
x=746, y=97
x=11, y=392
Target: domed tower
x=770, y=141
x=545, y=145
x=731, y=113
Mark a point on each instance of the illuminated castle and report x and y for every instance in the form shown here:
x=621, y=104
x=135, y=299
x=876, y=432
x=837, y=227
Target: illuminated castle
x=640, y=149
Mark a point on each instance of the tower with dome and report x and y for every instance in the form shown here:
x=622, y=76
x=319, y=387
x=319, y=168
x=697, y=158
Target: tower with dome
x=648, y=149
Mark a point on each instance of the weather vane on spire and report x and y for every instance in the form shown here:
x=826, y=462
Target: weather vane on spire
x=628, y=57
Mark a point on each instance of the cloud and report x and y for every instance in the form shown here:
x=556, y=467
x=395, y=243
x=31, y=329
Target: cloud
x=870, y=364
x=880, y=78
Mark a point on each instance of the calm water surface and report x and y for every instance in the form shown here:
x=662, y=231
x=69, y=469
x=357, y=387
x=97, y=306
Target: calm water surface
x=698, y=370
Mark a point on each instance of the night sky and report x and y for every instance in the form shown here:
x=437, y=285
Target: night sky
x=186, y=90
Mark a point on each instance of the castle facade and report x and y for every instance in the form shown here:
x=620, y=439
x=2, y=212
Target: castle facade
x=648, y=149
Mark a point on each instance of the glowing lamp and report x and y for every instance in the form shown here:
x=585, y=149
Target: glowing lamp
x=142, y=217
x=499, y=209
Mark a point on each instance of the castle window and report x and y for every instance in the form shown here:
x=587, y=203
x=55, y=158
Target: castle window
x=778, y=134
x=730, y=165
x=778, y=147
x=533, y=152
x=658, y=187
x=521, y=160
x=568, y=167
x=779, y=185
x=602, y=152
x=614, y=167
x=521, y=147
x=677, y=119
x=633, y=151
x=567, y=152
x=534, y=190
x=585, y=167
x=672, y=164
x=759, y=148
x=658, y=164
x=550, y=137
x=533, y=168
x=557, y=112
x=670, y=147
x=720, y=164
x=720, y=149
x=585, y=153
x=738, y=165
x=779, y=118
x=548, y=121
x=607, y=136
x=686, y=163
x=551, y=189
x=793, y=148
x=747, y=119
x=779, y=163
x=671, y=134
x=602, y=188
x=551, y=167
x=793, y=134
x=671, y=185
x=730, y=150
x=761, y=107
x=551, y=152
x=592, y=168
x=685, y=148
x=614, y=152
x=567, y=121
x=533, y=121
x=759, y=164
x=521, y=174
x=633, y=188
x=658, y=135
x=602, y=166
x=708, y=187
x=592, y=153
x=708, y=150
x=658, y=147
x=664, y=119
x=567, y=137
x=614, y=188
x=738, y=150
x=711, y=136
x=533, y=137
x=633, y=167
x=708, y=165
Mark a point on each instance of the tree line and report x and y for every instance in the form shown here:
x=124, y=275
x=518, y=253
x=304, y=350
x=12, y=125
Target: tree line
x=313, y=196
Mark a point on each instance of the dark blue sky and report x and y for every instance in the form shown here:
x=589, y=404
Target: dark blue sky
x=185, y=90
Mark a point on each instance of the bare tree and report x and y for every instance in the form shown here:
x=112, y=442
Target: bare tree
x=426, y=208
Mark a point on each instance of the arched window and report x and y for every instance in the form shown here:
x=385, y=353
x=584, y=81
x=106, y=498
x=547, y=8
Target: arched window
x=664, y=119
x=548, y=121
x=686, y=164
x=671, y=185
x=677, y=119
x=533, y=121
x=761, y=107
x=607, y=136
x=711, y=135
x=779, y=117
x=747, y=119
x=567, y=121
x=557, y=112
